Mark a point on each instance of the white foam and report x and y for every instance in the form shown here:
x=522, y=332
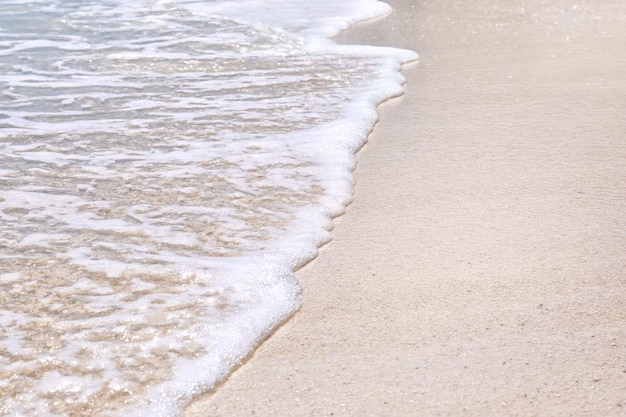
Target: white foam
x=311, y=18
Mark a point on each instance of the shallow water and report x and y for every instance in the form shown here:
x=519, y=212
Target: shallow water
x=164, y=167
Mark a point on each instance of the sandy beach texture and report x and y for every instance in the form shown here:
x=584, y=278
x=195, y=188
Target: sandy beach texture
x=480, y=270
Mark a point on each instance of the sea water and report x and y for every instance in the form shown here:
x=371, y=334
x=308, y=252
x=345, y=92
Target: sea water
x=165, y=167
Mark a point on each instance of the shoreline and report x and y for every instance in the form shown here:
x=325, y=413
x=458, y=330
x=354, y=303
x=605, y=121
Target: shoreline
x=479, y=268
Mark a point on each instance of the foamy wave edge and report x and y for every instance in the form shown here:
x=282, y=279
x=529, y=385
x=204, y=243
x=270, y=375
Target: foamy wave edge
x=274, y=271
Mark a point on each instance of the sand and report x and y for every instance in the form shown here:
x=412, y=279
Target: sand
x=480, y=270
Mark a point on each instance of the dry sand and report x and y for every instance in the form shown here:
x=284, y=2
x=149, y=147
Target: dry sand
x=480, y=270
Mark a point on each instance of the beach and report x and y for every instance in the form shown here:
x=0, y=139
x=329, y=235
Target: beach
x=480, y=269
x=165, y=168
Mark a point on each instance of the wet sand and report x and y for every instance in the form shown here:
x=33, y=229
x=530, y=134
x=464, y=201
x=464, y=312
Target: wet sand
x=481, y=269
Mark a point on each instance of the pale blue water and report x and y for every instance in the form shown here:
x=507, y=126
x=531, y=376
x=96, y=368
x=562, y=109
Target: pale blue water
x=165, y=166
